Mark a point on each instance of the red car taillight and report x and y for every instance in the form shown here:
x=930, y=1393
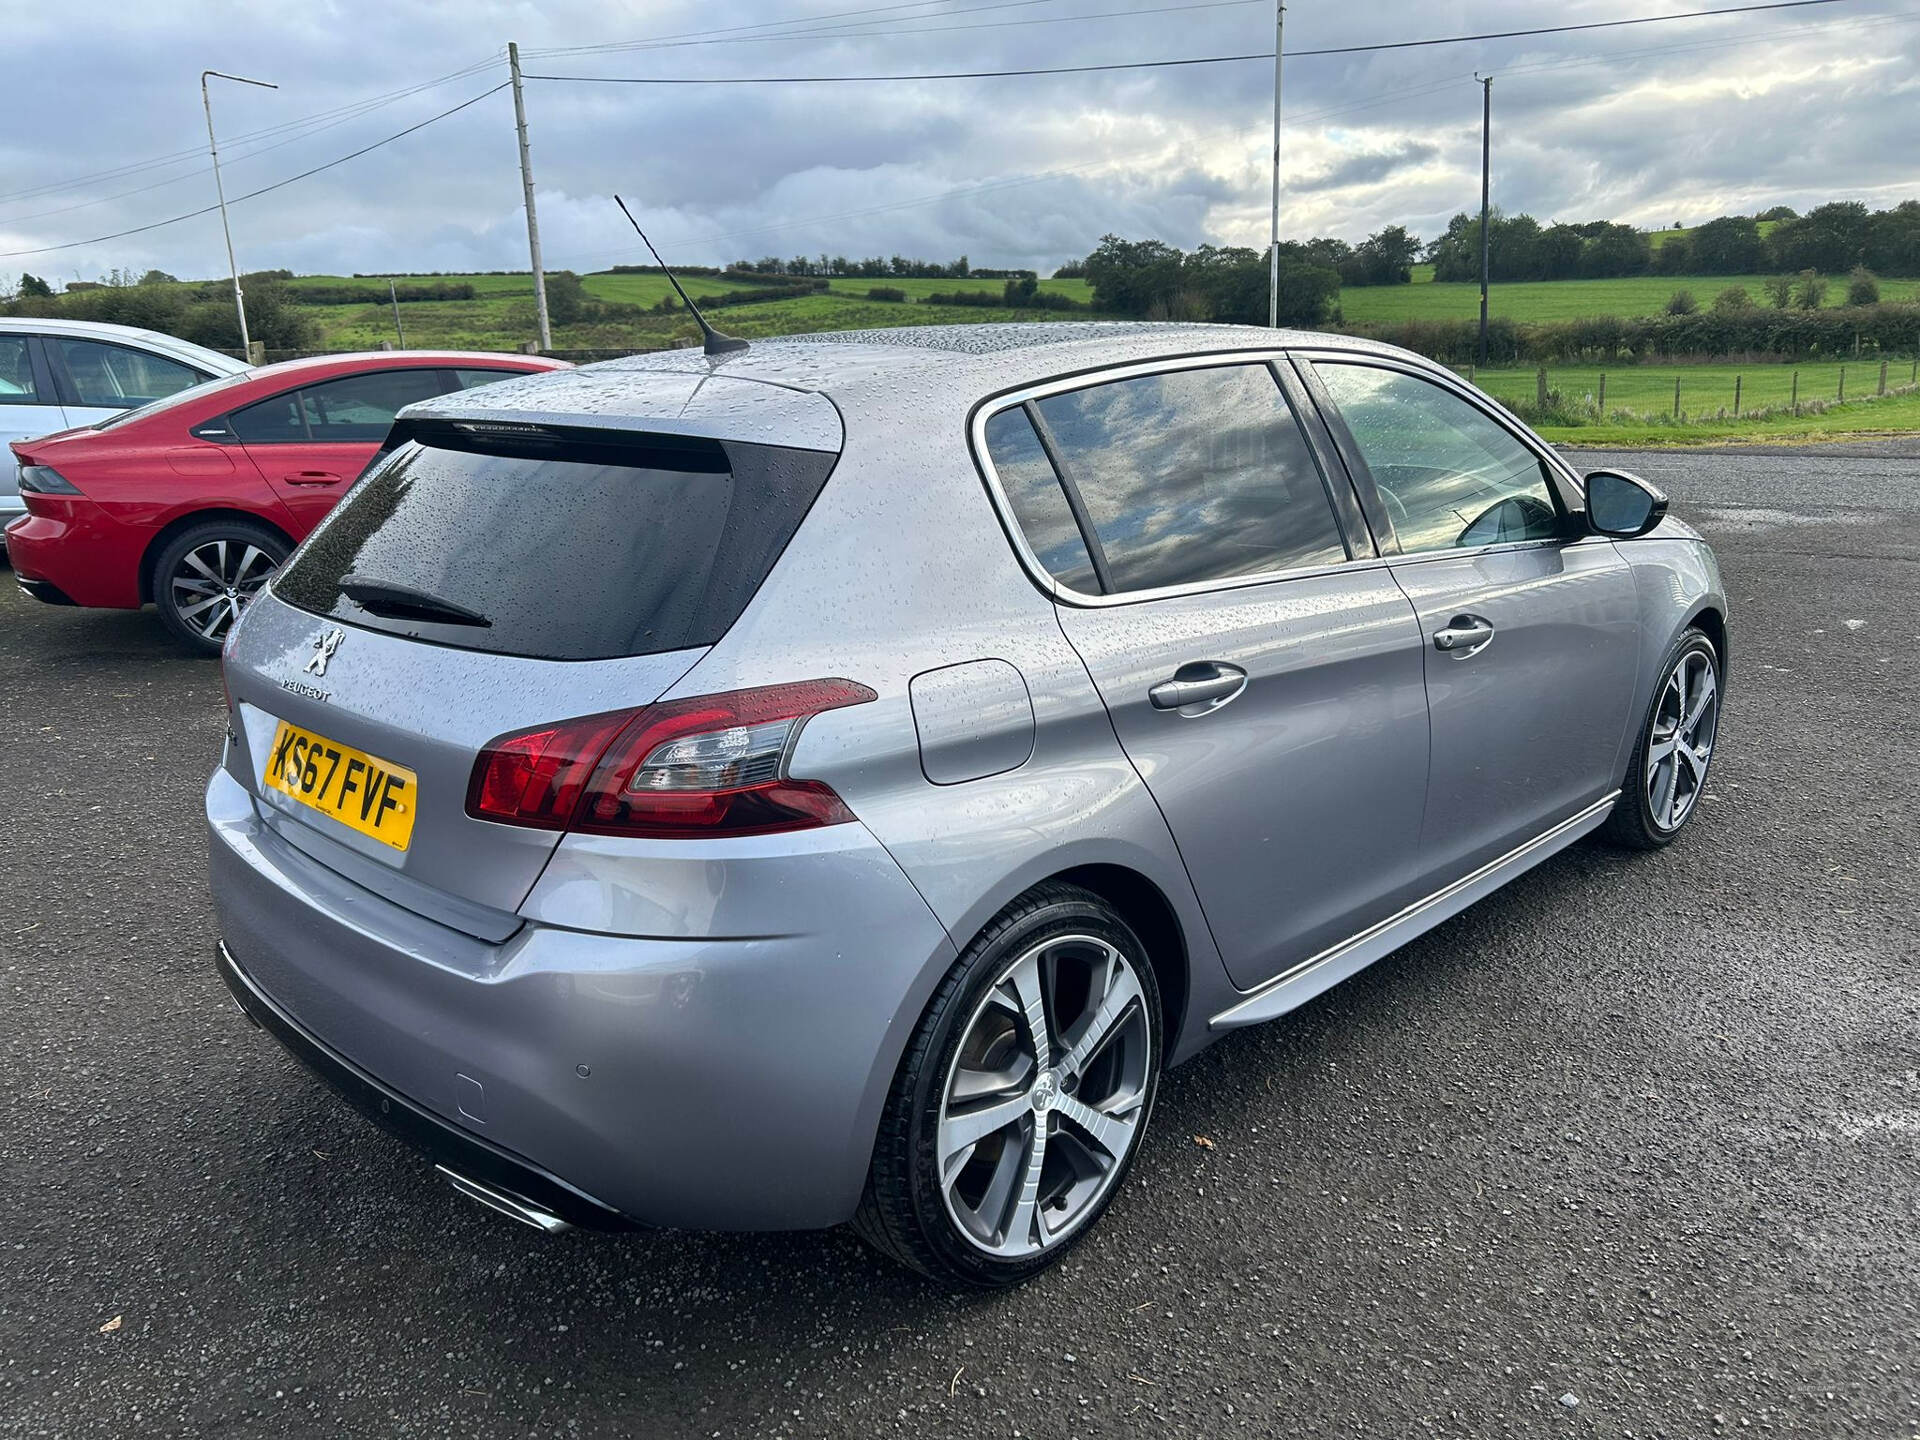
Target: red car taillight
x=712, y=765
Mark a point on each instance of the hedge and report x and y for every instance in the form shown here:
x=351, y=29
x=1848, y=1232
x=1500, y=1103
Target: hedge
x=1789, y=334
x=379, y=295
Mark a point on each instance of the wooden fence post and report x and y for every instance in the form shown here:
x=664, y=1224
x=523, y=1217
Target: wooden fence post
x=1883, y=377
x=1736, y=396
x=1796, y=392
x=1843, y=385
x=1676, y=397
x=1540, y=387
x=1603, y=394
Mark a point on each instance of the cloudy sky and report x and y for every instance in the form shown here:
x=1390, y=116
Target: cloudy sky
x=1650, y=124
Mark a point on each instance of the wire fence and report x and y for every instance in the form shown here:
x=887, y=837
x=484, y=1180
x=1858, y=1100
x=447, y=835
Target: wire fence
x=1680, y=394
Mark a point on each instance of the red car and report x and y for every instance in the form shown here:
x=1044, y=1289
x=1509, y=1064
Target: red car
x=195, y=501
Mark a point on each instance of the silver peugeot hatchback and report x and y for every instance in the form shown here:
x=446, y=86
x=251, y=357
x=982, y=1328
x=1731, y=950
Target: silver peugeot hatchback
x=833, y=781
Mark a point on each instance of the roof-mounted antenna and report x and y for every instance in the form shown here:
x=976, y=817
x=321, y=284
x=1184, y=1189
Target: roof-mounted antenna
x=716, y=343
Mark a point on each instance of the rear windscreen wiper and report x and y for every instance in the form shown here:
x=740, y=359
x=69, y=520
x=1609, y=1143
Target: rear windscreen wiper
x=394, y=601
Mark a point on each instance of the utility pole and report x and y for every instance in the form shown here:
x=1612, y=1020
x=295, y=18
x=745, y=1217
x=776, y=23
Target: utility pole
x=526, y=185
x=1273, y=248
x=213, y=149
x=1486, y=171
x=393, y=294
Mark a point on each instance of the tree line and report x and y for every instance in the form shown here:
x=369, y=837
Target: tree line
x=1836, y=238
x=897, y=267
x=201, y=312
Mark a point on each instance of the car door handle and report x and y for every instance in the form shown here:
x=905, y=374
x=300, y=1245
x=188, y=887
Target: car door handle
x=1199, y=687
x=311, y=477
x=1464, y=635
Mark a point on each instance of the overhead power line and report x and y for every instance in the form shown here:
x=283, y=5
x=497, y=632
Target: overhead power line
x=1240, y=132
x=1173, y=64
x=306, y=125
x=849, y=32
x=264, y=189
x=662, y=41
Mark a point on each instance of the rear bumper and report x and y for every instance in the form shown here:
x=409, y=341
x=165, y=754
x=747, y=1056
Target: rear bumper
x=43, y=590
x=444, y=1144
x=79, y=553
x=705, y=1081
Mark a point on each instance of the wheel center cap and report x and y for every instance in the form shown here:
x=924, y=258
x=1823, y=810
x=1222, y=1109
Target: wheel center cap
x=1045, y=1091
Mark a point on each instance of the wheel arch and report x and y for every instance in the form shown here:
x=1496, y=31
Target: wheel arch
x=164, y=537
x=1151, y=916
x=1709, y=619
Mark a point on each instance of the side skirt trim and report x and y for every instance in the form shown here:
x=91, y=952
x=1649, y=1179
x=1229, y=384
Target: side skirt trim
x=1334, y=964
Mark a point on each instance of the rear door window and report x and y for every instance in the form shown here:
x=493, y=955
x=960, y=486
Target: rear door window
x=16, y=372
x=1186, y=476
x=468, y=377
x=272, y=421
x=117, y=377
x=360, y=408
x=577, y=551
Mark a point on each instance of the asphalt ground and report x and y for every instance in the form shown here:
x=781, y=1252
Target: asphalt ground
x=1629, y=1149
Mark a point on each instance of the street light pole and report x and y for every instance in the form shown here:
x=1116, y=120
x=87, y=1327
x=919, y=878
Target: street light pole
x=213, y=149
x=1273, y=247
x=1486, y=234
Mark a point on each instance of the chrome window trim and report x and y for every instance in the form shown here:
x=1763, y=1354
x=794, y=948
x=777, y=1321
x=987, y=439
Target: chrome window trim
x=1085, y=380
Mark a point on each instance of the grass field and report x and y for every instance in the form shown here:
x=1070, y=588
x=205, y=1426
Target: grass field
x=500, y=316
x=1639, y=401
x=1658, y=238
x=1896, y=415
x=1703, y=388
x=1536, y=300
x=1639, y=398
x=483, y=285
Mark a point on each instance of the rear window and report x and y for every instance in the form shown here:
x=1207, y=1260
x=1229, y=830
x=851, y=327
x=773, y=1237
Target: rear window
x=571, y=551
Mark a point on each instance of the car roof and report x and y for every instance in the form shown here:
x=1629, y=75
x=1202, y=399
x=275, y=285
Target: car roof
x=781, y=390
x=133, y=335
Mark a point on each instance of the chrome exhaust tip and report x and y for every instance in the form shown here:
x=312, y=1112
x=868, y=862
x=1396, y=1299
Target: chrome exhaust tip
x=506, y=1202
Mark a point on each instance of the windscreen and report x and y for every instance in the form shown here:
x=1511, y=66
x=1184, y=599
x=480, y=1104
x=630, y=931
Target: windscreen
x=573, y=551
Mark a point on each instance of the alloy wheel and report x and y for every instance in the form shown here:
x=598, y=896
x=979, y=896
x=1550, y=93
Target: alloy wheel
x=215, y=581
x=1680, y=746
x=1046, y=1096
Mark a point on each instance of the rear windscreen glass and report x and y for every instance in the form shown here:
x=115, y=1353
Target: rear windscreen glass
x=578, y=553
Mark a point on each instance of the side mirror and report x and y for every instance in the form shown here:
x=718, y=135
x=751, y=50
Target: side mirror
x=1622, y=505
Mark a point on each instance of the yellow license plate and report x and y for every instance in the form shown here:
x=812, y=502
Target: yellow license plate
x=362, y=791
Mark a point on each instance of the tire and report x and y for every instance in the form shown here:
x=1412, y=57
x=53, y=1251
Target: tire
x=208, y=573
x=1000, y=1218
x=1649, y=815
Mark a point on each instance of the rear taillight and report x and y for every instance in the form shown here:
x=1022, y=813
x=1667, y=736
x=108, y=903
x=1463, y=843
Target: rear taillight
x=713, y=765
x=45, y=480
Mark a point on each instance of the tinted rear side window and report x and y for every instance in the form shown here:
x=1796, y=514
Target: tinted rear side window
x=16, y=372
x=1193, y=475
x=358, y=408
x=1039, y=504
x=572, y=554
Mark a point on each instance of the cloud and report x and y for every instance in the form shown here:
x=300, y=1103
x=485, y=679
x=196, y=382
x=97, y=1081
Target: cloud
x=1368, y=168
x=1642, y=123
